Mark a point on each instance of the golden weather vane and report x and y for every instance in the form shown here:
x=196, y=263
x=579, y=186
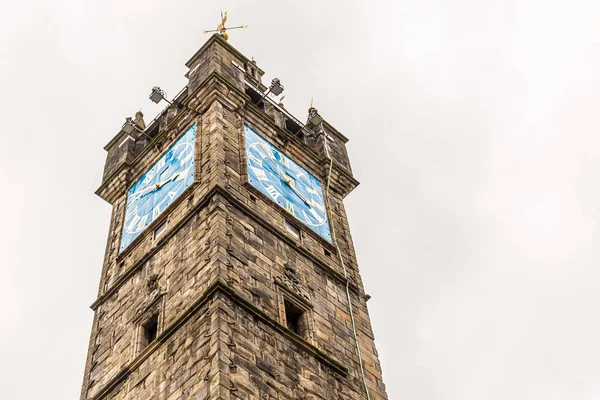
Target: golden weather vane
x=222, y=29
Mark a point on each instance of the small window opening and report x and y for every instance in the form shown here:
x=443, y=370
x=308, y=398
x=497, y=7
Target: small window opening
x=152, y=131
x=292, y=229
x=254, y=95
x=160, y=229
x=293, y=127
x=294, y=318
x=149, y=331
x=252, y=199
x=256, y=98
x=327, y=252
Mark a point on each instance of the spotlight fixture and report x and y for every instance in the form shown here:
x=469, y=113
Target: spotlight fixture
x=158, y=94
x=314, y=119
x=276, y=88
x=130, y=128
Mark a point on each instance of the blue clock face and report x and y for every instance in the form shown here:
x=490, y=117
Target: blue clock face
x=159, y=187
x=286, y=183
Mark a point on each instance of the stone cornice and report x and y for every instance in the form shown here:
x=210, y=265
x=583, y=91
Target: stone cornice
x=290, y=242
x=256, y=112
x=337, y=133
x=101, y=191
x=248, y=106
x=217, y=38
x=218, y=287
x=161, y=242
x=346, y=183
x=201, y=204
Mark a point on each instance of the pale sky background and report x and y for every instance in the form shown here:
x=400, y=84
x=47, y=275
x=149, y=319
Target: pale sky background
x=474, y=129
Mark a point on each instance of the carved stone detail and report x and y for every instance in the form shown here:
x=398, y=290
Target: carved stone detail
x=290, y=281
x=154, y=291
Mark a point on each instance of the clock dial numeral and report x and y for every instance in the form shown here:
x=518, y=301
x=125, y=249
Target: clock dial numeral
x=141, y=223
x=313, y=203
x=260, y=174
x=129, y=214
x=284, y=161
x=315, y=216
x=312, y=191
x=148, y=179
x=256, y=160
x=273, y=192
x=266, y=149
x=132, y=223
x=172, y=195
x=319, y=219
x=183, y=156
x=290, y=207
x=155, y=212
x=306, y=217
x=137, y=223
x=183, y=174
x=161, y=163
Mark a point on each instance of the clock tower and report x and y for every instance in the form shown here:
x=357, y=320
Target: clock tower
x=229, y=271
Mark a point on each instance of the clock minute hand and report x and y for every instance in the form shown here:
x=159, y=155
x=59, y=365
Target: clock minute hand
x=310, y=204
x=143, y=192
x=272, y=157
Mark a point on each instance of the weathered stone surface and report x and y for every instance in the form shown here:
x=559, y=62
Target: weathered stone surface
x=218, y=277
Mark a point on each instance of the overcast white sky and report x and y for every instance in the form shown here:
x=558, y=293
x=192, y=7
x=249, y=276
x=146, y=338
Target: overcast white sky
x=473, y=128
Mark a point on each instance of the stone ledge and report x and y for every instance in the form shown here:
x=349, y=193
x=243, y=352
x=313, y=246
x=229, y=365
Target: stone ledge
x=292, y=243
x=161, y=242
x=201, y=204
x=218, y=287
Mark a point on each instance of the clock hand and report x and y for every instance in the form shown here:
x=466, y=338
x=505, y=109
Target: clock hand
x=163, y=183
x=182, y=175
x=289, y=182
x=143, y=192
x=311, y=204
x=272, y=157
x=155, y=187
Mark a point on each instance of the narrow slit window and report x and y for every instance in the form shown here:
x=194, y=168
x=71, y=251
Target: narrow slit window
x=295, y=318
x=291, y=228
x=160, y=230
x=149, y=332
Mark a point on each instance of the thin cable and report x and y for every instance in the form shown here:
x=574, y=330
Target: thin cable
x=334, y=237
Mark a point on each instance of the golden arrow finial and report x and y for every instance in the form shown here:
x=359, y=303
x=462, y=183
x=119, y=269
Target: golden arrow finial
x=281, y=102
x=139, y=120
x=222, y=29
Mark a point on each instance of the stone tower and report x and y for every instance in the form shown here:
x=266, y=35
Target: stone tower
x=214, y=285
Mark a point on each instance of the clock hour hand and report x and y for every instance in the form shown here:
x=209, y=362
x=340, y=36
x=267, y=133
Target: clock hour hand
x=290, y=183
x=156, y=186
